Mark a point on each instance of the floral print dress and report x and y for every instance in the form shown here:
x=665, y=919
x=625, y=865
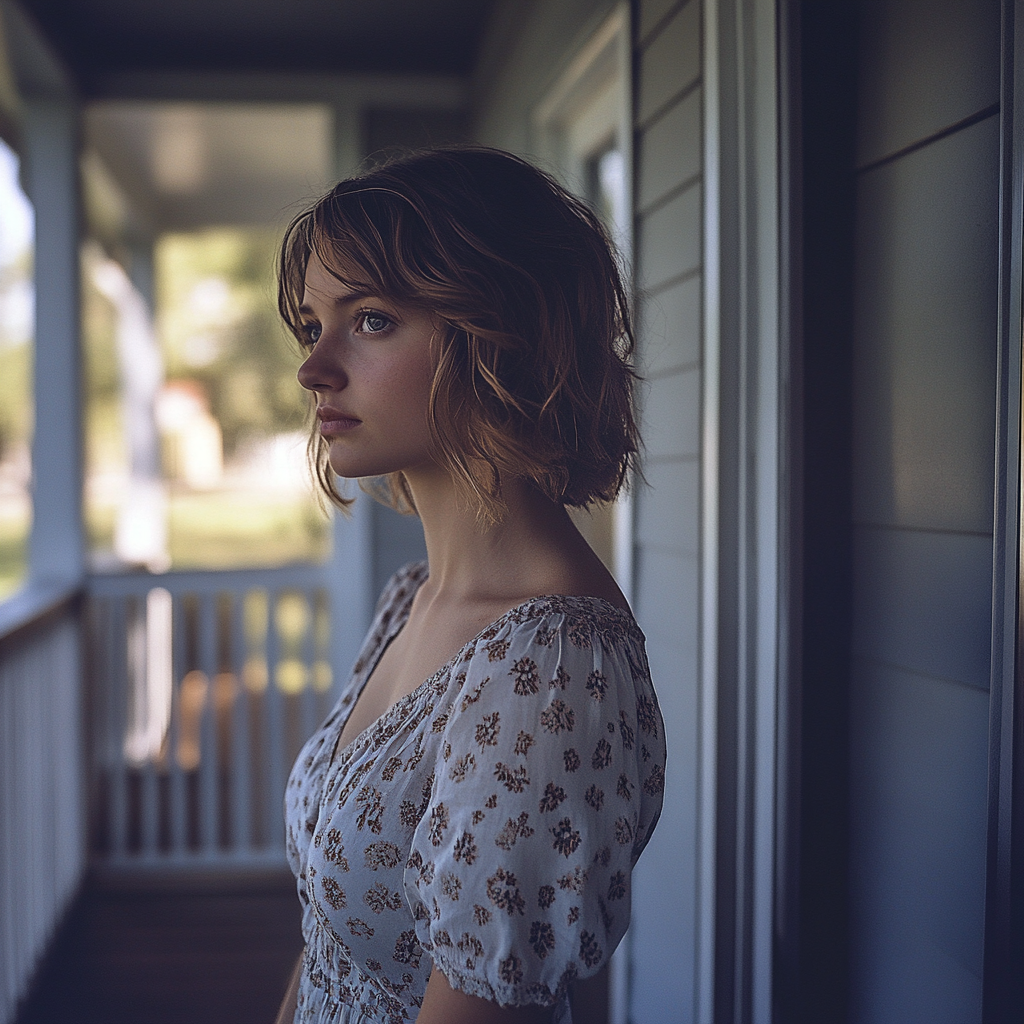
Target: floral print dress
x=486, y=824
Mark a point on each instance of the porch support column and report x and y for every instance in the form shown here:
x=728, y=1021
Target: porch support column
x=57, y=542
x=350, y=581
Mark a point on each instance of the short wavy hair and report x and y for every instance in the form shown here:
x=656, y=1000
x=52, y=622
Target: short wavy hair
x=533, y=349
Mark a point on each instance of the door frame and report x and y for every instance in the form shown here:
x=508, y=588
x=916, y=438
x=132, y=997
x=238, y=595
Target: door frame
x=1003, y=981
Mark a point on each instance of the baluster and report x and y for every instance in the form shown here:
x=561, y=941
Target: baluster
x=99, y=662
x=309, y=691
x=208, y=803
x=275, y=732
x=176, y=780
x=241, y=790
x=150, y=799
x=117, y=713
x=10, y=858
x=322, y=629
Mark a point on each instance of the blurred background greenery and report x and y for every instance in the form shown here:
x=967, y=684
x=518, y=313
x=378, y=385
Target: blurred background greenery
x=16, y=302
x=232, y=419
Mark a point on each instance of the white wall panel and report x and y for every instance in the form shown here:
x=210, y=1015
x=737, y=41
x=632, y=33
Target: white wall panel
x=528, y=45
x=668, y=152
x=651, y=14
x=925, y=335
x=663, y=923
x=670, y=327
x=668, y=507
x=671, y=62
x=923, y=457
x=671, y=416
x=668, y=239
x=667, y=588
x=668, y=249
x=922, y=601
x=918, y=828
x=925, y=65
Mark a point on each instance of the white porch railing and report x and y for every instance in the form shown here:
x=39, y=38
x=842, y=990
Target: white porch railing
x=42, y=796
x=203, y=686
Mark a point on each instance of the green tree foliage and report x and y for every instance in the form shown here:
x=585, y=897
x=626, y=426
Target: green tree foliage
x=218, y=325
x=15, y=363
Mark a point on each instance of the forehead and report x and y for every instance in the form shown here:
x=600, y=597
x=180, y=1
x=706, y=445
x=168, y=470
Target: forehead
x=322, y=286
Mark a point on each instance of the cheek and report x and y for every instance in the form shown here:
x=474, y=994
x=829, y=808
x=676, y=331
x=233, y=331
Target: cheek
x=412, y=382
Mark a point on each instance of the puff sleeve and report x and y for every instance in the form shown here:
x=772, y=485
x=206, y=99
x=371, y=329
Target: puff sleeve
x=547, y=786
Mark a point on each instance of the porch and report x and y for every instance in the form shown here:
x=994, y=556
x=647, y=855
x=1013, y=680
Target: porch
x=820, y=208
x=210, y=949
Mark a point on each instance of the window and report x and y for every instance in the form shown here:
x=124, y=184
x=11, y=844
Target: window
x=582, y=134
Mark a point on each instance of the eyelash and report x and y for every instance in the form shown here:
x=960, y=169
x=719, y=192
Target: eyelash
x=306, y=329
x=362, y=315
x=311, y=327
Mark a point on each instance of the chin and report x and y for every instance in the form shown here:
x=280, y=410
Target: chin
x=356, y=469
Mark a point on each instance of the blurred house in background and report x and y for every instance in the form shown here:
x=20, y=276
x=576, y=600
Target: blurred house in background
x=820, y=207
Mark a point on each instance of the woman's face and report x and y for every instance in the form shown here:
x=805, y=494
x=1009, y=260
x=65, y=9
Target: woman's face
x=369, y=364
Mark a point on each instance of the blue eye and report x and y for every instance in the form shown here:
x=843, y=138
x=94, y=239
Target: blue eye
x=311, y=333
x=372, y=322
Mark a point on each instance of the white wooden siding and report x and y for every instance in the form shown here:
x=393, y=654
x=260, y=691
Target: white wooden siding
x=924, y=393
x=669, y=150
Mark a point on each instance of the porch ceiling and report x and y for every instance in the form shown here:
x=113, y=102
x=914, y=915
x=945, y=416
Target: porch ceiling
x=102, y=37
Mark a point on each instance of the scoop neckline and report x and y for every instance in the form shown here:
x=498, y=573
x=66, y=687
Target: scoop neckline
x=399, y=620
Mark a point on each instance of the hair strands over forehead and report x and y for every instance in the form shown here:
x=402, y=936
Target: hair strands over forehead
x=534, y=338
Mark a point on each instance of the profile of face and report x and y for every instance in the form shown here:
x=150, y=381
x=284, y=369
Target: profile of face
x=498, y=344
x=370, y=368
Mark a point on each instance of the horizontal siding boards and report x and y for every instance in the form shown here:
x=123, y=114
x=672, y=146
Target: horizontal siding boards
x=925, y=65
x=668, y=243
x=661, y=927
x=670, y=63
x=669, y=240
x=652, y=12
x=671, y=416
x=922, y=602
x=918, y=820
x=925, y=335
x=669, y=512
x=668, y=152
x=667, y=588
x=670, y=327
x=924, y=393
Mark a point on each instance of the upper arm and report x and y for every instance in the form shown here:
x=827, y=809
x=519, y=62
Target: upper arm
x=543, y=793
x=446, y=1005
x=443, y=1004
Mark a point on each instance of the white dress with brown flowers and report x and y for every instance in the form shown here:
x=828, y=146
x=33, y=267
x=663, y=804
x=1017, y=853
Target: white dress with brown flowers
x=486, y=824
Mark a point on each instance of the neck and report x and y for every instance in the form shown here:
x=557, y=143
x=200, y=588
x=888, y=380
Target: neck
x=473, y=560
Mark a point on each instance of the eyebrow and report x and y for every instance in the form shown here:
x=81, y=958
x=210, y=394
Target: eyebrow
x=341, y=300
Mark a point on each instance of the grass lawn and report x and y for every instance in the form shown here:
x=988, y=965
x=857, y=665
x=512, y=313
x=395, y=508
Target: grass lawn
x=213, y=530
x=229, y=530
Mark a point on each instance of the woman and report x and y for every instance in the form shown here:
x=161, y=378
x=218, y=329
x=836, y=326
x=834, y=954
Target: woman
x=464, y=824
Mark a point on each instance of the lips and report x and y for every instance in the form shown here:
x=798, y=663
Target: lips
x=335, y=421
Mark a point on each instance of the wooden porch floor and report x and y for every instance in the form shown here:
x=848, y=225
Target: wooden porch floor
x=215, y=951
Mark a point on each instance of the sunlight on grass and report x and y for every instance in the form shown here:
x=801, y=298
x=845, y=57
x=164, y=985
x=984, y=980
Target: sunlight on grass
x=231, y=530
x=13, y=551
x=237, y=529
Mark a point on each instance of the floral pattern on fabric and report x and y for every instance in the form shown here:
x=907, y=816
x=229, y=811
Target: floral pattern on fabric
x=487, y=824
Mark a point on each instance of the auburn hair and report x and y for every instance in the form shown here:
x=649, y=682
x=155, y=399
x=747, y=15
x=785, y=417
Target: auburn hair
x=533, y=347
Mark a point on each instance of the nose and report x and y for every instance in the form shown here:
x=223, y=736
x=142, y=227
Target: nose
x=320, y=372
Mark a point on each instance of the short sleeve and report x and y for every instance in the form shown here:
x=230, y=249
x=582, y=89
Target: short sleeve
x=547, y=786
